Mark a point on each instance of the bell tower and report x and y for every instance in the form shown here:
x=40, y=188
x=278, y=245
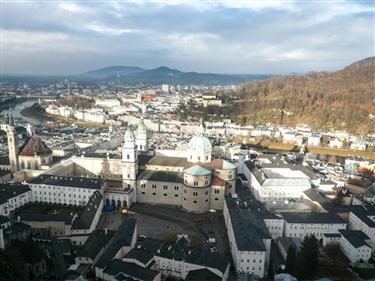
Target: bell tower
x=12, y=143
x=142, y=137
x=129, y=160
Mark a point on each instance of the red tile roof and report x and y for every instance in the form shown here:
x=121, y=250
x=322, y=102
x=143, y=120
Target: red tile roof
x=215, y=181
x=34, y=145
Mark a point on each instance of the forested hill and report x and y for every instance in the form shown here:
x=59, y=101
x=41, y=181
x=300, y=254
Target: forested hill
x=344, y=99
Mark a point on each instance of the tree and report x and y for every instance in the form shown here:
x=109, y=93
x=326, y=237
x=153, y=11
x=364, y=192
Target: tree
x=291, y=260
x=171, y=237
x=270, y=270
x=309, y=251
x=301, y=271
x=196, y=241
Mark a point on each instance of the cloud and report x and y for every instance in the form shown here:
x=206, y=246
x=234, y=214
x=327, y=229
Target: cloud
x=214, y=36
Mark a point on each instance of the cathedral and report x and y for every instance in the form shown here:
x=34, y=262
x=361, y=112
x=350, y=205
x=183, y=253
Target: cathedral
x=194, y=181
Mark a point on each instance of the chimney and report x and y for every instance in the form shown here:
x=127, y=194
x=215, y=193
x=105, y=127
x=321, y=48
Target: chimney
x=2, y=242
x=105, y=231
x=18, y=218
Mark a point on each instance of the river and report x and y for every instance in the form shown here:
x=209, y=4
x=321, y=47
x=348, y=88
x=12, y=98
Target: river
x=16, y=112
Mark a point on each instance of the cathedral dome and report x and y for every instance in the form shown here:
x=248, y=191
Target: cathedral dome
x=200, y=143
x=199, y=147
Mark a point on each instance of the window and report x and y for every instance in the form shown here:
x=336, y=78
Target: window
x=216, y=199
x=153, y=193
x=165, y=194
x=199, y=158
x=153, y=186
x=195, y=183
x=195, y=193
x=143, y=193
x=195, y=201
x=127, y=156
x=176, y=195
x=165, y=186
x=176, y=187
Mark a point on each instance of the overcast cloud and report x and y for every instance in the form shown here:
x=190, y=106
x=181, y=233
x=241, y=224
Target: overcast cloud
x=65, y=37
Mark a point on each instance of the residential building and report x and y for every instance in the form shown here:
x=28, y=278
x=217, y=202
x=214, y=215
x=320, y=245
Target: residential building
x=301, y=225
x=13, y=196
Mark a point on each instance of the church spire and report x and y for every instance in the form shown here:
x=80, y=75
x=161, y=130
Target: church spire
x=10, y=118
x=201, y=129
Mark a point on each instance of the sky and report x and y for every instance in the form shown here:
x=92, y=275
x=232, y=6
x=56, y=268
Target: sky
x=223, y=36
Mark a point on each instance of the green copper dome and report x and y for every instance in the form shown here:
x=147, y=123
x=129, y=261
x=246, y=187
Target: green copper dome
x=197, y=171
x=129, y=134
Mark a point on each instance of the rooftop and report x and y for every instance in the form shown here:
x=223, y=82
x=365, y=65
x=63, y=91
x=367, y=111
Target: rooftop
x=181, y=251
x=122, y=237
x=159, y=160
x=89, y=183
x=121, y=270
x=202, y=274
x=312, y=218
x=96, y=241
x=364, y=214
x=221, y=164
x=355, y=237
x=86, y=216
x=34, y=146
x=139, y=254
x=163, y=176
x=197, y=170
x=10, y=190
x=248, y=225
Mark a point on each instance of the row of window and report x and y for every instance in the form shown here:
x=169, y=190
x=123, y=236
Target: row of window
x=43, y=187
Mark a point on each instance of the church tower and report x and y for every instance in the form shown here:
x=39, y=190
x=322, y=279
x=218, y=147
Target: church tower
x=12, y=144
x=129, y=160
x=142, y=137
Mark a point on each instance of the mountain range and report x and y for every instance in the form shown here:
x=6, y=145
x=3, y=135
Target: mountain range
x=137, y=75
x=163, y=74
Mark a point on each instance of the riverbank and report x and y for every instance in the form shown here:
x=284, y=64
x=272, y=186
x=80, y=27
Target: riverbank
x=11, y=103
x=37, y=112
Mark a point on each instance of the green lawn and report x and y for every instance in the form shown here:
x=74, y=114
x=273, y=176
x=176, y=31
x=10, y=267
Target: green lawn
x=50, y=208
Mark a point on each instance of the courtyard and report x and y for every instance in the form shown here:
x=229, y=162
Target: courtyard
x=159, y=221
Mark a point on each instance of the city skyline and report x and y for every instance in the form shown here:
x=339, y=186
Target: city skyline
x=276, y=37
